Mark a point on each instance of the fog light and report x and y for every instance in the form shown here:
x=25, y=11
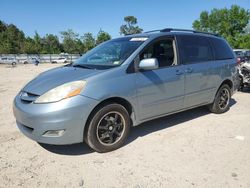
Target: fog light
x=54, y=133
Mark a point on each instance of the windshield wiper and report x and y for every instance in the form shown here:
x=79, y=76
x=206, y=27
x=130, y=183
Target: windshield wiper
x=68, y=65
x=82, y=66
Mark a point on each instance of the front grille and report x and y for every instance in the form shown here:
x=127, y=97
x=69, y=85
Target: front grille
x=28, y=97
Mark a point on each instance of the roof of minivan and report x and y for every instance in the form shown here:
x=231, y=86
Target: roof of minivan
x=158, y=34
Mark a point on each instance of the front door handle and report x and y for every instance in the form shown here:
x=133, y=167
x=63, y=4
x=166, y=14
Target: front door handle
x=189, y=70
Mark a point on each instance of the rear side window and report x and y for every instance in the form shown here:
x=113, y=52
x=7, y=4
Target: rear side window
x=221, y=49
x=195, y=49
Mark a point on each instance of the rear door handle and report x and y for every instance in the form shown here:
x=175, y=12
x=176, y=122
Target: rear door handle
x=178, y=72
x=189, y=70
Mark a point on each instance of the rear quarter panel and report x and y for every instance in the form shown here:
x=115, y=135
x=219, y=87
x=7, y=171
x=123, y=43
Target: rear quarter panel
x=222, y=70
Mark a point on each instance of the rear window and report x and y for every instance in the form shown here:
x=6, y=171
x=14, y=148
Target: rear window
x=195, y=49
x=221, y=49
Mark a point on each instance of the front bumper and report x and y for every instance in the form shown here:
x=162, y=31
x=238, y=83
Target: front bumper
x=70, y=115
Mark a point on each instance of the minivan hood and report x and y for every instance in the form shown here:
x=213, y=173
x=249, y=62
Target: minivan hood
x=58, y=76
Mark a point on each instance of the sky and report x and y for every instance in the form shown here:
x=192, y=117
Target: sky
x=53, y=16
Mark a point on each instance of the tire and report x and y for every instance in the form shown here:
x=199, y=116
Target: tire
x=13, y=64
x=221, y=100
x=108, y=128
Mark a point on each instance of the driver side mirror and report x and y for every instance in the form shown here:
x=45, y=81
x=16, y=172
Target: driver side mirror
x=149, y=64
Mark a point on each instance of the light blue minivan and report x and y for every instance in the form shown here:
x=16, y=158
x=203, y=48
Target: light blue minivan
x=124, y=82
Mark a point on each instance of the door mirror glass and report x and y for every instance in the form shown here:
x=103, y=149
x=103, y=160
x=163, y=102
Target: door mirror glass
x=149, y=64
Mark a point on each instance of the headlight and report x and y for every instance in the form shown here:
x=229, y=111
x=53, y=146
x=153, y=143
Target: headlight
x=62, y=92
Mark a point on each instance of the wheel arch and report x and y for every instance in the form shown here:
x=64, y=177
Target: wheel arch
x=228, y=82
x=119, y=100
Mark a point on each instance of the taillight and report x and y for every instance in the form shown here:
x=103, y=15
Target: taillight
x=238, y=61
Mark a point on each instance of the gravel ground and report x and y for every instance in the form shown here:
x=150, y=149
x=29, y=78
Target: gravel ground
x=189, y=149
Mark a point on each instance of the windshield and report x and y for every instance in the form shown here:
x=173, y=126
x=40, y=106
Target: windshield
x=109, y=54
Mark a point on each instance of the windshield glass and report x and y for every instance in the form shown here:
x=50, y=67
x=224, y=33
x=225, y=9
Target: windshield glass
x=109, y=54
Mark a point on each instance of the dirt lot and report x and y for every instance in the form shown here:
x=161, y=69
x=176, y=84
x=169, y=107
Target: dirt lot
x=189, y=149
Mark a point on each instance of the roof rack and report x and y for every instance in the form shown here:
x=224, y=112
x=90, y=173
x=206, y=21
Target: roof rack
x=185, y=30
x=158, y=30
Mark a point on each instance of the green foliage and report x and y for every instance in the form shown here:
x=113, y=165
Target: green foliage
x=70, y=41
x=229, y=23
x=3, y=26
x=130, y=26
x=244, y=41
x=102, y=36
x=28, y=46
x=51, y=44
x=88, y=41
x=13, y=40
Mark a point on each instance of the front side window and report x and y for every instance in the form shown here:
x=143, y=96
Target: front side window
x=162, y=50
x=195, y=49
x=110, y=54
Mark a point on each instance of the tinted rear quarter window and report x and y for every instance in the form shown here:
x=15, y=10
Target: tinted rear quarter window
x=195, y=49
x=221, y=49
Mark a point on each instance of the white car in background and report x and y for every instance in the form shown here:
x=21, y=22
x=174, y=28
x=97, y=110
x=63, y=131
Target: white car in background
x=8, y=60
x=60, y=60
x=32, y=60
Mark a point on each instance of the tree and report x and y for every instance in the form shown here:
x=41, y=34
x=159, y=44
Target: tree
x=51, y=44
x=70, y=41
x=80, y=46
x=230, y=23
x=3, y=26
x=88, y=41
x=102, y=36
x=130, y=26
x=244, y=41
x=28, y=46
x=247, y=29
x=11, y=39
x=38, y=44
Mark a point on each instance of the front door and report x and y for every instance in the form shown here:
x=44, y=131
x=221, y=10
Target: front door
x=160, y=91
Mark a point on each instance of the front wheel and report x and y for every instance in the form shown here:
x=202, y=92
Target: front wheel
x=221, y=101
x=108, y=128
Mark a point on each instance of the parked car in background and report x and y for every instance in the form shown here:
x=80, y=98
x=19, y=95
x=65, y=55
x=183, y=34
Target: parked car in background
x=60, y=60
x=32, y=60
x=243, y=55
x=8, y=60
x=125, y=82
x=244, y=74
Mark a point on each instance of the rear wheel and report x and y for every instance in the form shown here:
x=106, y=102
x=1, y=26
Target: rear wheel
x=108, y=128
x=221, y=101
